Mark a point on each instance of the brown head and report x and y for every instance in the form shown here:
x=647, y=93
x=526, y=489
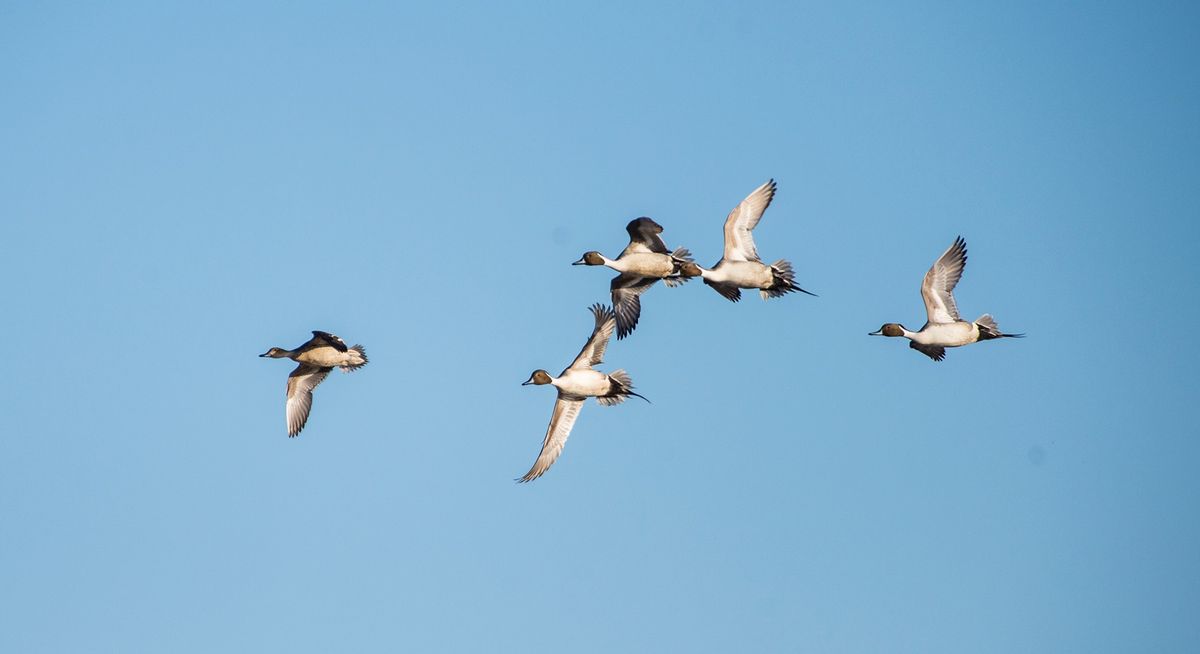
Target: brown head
x=689, y=269
x=539, y=377
x=592, y=258
x=889, y=329
x=275, y=353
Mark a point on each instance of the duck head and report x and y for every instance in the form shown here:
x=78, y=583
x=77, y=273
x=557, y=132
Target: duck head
x=889, y=329
x=539, y=377
x=592, y=258
x=275, y=353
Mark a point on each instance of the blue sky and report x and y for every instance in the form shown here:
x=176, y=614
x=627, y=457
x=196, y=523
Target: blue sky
x=182, y=188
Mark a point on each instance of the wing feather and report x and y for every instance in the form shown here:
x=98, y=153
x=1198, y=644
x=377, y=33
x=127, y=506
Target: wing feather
x=300, y=387
x=935, y=352
x=937, y=290
x=325, y=338
x=626, y=296
x=644, y=237
x=593, y=351
x=739, y=244
x=566, y=410
x=728, y=291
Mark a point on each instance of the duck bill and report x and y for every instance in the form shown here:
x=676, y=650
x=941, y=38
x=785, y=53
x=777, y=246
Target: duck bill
x=264, y=354
x=878, y=332
x=581, y=262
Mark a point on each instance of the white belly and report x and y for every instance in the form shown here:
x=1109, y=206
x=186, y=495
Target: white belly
x=583, y=382
x=952, y=334
x=743, y=274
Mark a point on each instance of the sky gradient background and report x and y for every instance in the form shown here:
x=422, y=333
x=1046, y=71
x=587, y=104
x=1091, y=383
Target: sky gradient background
x=182, y=188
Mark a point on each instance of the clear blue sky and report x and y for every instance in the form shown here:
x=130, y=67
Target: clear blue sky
x=182, y=188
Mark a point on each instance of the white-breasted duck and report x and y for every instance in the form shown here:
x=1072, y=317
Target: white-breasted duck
x=644, y=261
x=943, y=327
x=321, y=354
x=577, y=383
x=740, y=267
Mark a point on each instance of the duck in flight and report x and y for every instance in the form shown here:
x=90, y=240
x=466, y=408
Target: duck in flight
x=740, y=267
x=577, y=383
x=321, y=354
x=944, y=328
x=644, y=261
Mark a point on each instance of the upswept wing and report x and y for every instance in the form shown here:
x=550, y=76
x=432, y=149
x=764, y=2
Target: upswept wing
x=938, y=288
x=566, y=410
x=325, y=338
x=593, y=351
x=739, y=244
x=644, y=237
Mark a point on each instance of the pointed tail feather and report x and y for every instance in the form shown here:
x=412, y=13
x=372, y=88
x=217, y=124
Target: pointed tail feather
x=784, y=281
x=622, y=387
x=989, y=330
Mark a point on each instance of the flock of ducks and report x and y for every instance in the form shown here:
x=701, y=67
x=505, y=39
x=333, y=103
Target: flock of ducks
x=643, y=262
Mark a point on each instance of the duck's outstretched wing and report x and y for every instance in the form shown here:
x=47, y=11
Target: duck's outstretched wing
x=739, y=244
x=626, y=296
x=300, y=387
x=938, y=288
x=593, y=351
x=644, y=237
x=566, y=410
x=325, y=338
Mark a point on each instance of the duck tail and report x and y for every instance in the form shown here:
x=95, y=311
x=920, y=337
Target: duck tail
x=783, y=282
x=680, y=257
x=358, y=359
x=989, y=330
x=622, y=387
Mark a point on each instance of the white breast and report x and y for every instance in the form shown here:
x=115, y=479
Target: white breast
x=583, y=382
x=951, y=334
x=744, y=274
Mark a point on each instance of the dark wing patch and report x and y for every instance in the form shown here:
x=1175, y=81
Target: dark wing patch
x=935, y=352
x=645, y=231
x=626, y=292
x=731, y=292
x=325, y=338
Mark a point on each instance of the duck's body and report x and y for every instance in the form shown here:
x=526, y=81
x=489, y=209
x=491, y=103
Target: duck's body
x=643, y=262
x=575, y=384
x=954, y=334
x=742, y=274
x=317, y=358
x=740, y=267
x=646, y=264
x=584, y=383
x=944, y=328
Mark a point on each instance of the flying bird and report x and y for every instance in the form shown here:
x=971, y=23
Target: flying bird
x=644, y=261
x=740, y=267
x=321, y=354
x=943, y=328
x=577, y=383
